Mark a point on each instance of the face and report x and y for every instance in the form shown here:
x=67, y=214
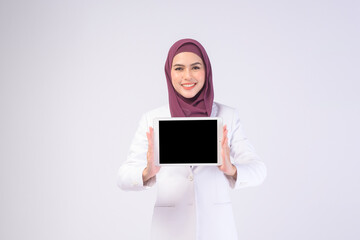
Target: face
x=187, y=74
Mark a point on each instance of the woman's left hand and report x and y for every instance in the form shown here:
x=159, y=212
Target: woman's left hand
x=227, y=167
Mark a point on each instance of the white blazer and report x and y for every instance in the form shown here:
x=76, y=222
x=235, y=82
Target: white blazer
x=193, y=203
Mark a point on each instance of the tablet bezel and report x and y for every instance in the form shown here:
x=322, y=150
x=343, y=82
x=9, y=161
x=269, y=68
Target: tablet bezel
x=156, y=140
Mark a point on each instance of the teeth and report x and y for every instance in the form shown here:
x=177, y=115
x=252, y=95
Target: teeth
x=188, y=85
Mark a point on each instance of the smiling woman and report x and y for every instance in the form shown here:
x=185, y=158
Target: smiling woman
x=193, y=202
x=188, y=74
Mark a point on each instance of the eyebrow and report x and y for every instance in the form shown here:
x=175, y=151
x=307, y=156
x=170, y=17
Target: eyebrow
x=181, y=65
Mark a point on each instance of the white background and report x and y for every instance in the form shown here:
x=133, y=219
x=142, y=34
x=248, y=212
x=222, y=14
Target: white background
x=75, y=77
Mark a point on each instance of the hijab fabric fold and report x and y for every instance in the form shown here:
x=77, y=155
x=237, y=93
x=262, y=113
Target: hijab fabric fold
x=201, y=104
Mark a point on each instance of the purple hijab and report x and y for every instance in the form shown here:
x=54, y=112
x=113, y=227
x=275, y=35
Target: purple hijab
x=201, y=104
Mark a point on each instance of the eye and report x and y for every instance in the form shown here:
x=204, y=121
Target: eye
x=196, y=67
x=178, y=68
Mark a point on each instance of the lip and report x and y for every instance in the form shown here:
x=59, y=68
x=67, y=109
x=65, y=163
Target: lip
x=188, y=88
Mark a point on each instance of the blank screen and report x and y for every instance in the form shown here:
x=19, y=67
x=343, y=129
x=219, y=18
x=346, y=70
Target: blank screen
x=188, y=142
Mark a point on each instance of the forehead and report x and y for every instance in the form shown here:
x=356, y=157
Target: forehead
x=186, y=58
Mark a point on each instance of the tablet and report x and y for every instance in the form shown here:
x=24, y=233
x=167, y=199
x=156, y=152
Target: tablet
x=187, y=141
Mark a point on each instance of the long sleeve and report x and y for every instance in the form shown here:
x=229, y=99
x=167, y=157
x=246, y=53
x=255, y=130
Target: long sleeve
x=250, y=170
x=130, y=173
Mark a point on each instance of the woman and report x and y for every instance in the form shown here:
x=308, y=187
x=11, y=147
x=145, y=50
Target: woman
x=192, y=202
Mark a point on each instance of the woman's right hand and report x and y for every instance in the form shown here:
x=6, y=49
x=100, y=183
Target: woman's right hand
x=151, y=169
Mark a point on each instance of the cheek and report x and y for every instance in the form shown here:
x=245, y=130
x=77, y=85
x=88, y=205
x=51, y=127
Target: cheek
x=174, y=80
x=201, y=78
x=174, y=77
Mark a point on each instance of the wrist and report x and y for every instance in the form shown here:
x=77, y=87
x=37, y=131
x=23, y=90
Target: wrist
x=145, y=174
x=232, y=172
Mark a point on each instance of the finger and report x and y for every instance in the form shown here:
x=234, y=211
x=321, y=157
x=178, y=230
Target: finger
x=225, y=132
x=227, y=146
x=224, y=141
x=148, y=134
x=151, y=136
x=148, y=137
x=224, y=154
x=150, y=145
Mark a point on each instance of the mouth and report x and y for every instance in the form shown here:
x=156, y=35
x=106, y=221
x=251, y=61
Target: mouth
x=188, y=86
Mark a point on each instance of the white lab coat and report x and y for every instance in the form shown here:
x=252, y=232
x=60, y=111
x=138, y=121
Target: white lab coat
x=193, y=203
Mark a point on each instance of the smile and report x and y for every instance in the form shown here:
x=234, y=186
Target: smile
x=188, y=86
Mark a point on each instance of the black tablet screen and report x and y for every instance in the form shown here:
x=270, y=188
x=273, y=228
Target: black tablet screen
x=188, y=142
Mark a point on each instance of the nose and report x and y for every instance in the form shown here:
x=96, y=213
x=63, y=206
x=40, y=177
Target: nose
x=187, y=75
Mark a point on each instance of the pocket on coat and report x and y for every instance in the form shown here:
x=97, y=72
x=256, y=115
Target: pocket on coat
x=173, y=223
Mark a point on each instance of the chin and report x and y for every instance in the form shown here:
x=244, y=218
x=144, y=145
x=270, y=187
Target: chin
x=188, y=95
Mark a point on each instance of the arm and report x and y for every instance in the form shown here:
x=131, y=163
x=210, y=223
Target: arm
x=132, y=174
